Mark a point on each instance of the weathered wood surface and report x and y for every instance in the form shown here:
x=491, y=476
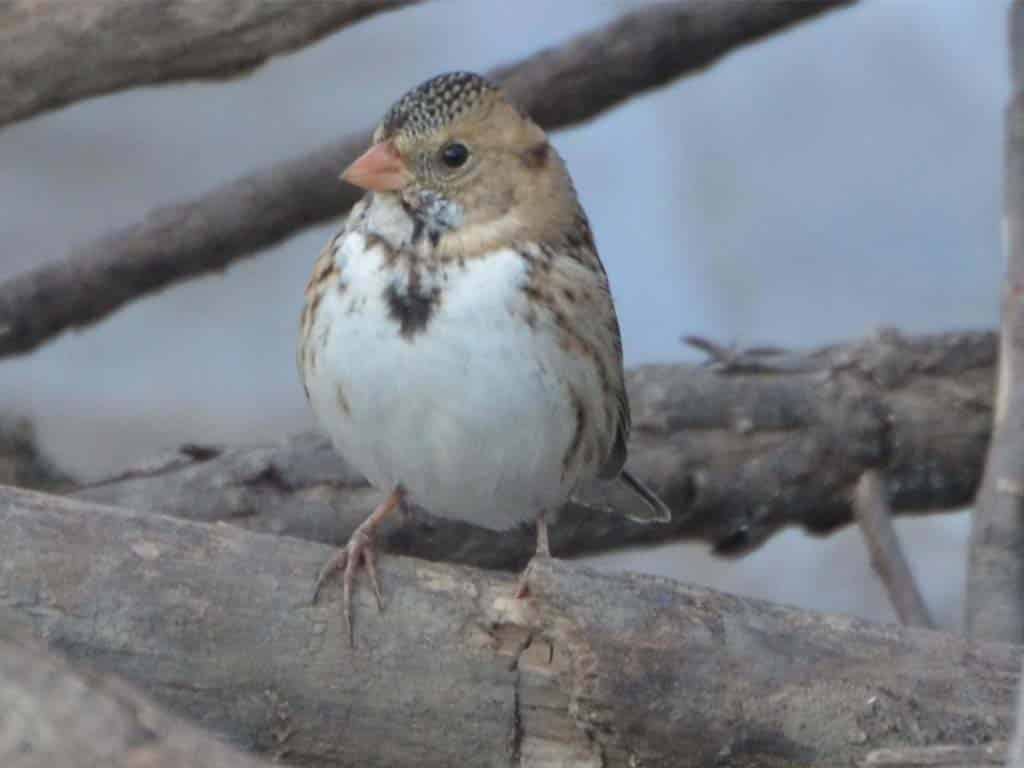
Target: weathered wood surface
x=954, y=756
x=560, y=86
x=55, y=52
x=593, y=670
x=52, y=716
x=738, y=456
x=995, y=573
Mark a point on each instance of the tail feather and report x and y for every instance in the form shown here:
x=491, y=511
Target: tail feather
x=657, y=511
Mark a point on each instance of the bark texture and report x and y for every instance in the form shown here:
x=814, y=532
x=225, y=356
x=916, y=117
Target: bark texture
x=56, y=52
x=995, y=575
x=52, y=716
x=738, y=454
x=561, y=86
x=593, y=670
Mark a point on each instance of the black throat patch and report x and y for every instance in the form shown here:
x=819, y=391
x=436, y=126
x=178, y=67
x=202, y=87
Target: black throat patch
x=413, y=305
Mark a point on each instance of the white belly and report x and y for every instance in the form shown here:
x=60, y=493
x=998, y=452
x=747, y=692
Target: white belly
x=471, y=416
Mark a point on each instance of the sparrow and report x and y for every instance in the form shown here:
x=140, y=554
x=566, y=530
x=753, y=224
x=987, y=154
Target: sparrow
x=458, y=341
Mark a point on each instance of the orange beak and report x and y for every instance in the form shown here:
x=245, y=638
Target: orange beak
x=379, y=168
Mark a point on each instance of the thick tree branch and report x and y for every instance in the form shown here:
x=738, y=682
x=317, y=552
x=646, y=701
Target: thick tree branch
x=738, y=457
x=561, y=87
x=52, y=716
x=615, y=670
x=995, y=577
x=55, y=52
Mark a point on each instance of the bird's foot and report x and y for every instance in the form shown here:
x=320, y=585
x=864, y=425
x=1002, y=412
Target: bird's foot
x=361, y=548
x=523, y=590
x=543, y=552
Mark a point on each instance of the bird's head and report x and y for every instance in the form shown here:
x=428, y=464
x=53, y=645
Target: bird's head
x=469, y=164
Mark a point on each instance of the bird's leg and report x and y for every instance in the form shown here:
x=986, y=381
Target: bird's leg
x=361, y=547
x=543, y=550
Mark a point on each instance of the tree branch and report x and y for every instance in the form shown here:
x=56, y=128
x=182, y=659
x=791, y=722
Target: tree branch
x=617, y=670
x=995, y=577
x=874, y=516
x=737, y=457
x=53, y=716
x=56, y=52
x=560, y=87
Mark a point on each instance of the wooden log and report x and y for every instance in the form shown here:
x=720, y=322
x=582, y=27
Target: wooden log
x=593, y=670
x=52, y=716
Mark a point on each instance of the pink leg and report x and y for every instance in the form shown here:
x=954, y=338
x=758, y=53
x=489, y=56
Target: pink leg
x=361, y=547
x=543, y=550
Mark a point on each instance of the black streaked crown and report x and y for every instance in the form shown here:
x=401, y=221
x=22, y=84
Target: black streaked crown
x=434, y=103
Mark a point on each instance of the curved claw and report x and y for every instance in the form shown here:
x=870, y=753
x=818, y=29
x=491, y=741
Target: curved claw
x=360, y=548
x=336, y=563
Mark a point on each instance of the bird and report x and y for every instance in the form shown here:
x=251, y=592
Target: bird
x=458, y=341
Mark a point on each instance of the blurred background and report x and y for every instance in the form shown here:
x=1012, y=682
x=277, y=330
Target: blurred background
x=841, y=176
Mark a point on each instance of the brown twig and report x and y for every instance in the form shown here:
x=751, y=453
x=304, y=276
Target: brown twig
x=871, y=508
x=560, y=87
x=734, y=360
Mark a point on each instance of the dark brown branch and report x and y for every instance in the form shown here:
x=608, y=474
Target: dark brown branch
x=616, y=670
x=55, y=53
x=874, y=517
x=995, y=577
x=561, y=87
x=53, y=716
x=738, y=457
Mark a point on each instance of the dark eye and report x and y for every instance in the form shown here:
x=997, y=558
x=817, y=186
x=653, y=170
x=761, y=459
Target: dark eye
x=454, y=154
